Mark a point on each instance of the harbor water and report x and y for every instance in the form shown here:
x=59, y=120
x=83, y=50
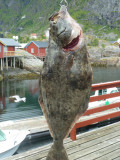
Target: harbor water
x=19, y=98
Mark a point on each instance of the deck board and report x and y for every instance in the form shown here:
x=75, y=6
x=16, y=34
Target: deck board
x=100, y=144
x=117, y=158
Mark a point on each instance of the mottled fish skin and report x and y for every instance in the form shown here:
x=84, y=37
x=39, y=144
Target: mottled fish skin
x=65, y=82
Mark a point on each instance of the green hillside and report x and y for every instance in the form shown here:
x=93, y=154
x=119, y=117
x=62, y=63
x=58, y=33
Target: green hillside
x=23, y=17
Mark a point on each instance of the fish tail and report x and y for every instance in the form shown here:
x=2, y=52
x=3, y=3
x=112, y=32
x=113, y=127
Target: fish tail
x=57, y=152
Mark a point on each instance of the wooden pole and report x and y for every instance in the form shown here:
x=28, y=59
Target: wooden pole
x=14, y=62
x=3, y=62
x=11, y=62
x=6, y=63
x=19, y=62
x=1, y=65
x=23, y=62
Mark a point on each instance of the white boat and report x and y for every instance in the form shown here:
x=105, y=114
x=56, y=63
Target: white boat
x=10, y=141
x=105, y=101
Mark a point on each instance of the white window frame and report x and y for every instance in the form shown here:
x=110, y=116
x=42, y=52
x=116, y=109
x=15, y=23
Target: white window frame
x=32, y=50
x=0, y=48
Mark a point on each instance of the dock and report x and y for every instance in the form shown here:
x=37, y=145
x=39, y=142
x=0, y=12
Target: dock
x=99, y=144
x=33, y=125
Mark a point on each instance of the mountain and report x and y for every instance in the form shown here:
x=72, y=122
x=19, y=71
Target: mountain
x=23, y=17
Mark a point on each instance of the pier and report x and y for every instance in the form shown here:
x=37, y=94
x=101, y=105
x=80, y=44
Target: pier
x=98, y=144
x=9, y=58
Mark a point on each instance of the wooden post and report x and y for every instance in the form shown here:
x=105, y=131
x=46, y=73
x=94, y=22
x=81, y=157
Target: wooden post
x=1, y=65
x=19, y=62
x=6, y=63
x=23, y=62
x=73, y=134
x=11, y=62
x=3, y=62
x=14, y=62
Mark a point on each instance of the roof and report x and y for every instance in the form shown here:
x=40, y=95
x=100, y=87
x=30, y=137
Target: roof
x=9, y=42
x=33, y=34
x=39, y=44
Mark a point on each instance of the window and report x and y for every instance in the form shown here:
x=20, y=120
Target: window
x=0, y=48
x=92, y=93
x=2, y=136
x=32, y=50
x=100, y=92
x=5, y=49
x=104, y=91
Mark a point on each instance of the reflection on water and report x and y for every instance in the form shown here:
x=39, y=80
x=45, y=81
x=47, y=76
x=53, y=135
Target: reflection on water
x=19, y=99
x=13, y=108
x=101, y=74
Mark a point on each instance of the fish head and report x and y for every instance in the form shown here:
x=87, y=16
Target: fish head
x=65, y=31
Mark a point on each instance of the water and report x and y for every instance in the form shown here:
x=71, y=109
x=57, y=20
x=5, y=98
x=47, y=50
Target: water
x=101, y=74
x=29, y=89
x=27, y=107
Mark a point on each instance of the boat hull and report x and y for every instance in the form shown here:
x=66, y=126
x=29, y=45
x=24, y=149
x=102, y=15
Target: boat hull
x=9, y=152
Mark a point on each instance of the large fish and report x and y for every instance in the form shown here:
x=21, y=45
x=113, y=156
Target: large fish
x=66, y=78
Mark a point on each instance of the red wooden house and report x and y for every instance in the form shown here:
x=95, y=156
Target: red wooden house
x=37, y=48
x=117, y=42
x=7, y=45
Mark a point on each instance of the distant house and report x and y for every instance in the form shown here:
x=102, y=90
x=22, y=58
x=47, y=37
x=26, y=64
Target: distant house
x=117, y=42
x=22, y=46
x=33, y=36
x=7, y=45
x=37, y=48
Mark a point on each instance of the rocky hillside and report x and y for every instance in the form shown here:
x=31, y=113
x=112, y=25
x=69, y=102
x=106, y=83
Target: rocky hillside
x=27, y=16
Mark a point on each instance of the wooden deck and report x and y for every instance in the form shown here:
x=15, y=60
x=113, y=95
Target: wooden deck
x=99, y=144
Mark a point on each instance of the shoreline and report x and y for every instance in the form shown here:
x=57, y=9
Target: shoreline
x=17, y=73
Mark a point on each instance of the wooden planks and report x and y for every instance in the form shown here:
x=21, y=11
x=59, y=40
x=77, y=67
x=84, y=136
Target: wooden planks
x=34, y=125
x=99, y=144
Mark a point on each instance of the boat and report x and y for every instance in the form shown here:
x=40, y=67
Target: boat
x=105, y=101
x=10, y=141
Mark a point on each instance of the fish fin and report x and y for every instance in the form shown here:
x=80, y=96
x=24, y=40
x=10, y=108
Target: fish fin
x=45, y=113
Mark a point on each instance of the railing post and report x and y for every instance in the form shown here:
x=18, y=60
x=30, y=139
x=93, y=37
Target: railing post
x=73, y=133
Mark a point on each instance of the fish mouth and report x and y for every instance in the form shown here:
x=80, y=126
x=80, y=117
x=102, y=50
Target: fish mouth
x=70, y=46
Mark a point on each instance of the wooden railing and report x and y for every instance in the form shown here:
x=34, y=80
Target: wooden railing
x=9, y=53
x=13, y=53
x=96, y=110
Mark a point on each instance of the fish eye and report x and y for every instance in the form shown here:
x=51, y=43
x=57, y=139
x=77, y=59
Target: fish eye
x=53, y=17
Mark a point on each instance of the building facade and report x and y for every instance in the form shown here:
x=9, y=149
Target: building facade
x=7, y=45
x=37, y=48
